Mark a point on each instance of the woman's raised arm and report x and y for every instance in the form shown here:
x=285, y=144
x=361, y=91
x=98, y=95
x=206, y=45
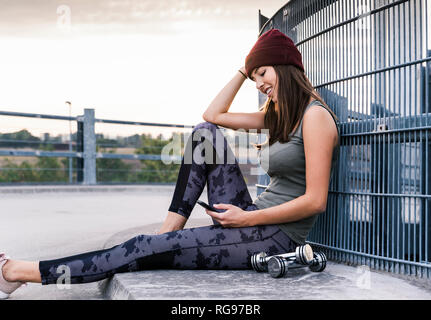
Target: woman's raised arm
x=217, y=112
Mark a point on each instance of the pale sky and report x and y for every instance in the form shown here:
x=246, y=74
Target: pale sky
x=140, y=60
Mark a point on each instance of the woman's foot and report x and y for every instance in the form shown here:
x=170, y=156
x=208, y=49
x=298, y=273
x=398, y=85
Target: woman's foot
x=173, y=222
x=7, y=287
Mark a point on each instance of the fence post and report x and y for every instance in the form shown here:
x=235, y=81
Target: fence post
x=89, y=155
x=80, y=148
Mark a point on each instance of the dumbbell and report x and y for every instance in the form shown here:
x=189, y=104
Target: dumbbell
x=278, y=266
x=302, y=255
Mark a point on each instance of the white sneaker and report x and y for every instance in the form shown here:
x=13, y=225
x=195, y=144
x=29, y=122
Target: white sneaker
x=7, y=287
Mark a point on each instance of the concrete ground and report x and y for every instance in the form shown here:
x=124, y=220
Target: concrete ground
x=40, y=223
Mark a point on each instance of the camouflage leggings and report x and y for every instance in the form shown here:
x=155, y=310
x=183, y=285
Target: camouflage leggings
x=209, y=247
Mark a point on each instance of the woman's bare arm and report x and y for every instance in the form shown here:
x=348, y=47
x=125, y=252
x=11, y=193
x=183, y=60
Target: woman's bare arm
x=217, y=112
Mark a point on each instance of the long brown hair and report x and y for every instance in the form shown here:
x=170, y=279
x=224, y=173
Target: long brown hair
x=294, y=92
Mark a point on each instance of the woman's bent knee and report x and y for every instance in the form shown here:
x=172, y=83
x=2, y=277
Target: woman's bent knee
x=205, y=125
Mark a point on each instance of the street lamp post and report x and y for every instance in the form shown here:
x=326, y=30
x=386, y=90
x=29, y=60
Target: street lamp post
x=70, y=142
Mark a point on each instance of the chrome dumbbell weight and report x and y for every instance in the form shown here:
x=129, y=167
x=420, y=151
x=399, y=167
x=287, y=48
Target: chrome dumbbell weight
x=302, y=255
x=278, y=266
x=318, y=264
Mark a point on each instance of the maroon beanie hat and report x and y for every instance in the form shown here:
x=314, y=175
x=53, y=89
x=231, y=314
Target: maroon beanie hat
x=273, y=48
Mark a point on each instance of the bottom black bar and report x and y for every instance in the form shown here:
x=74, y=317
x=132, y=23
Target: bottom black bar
x=206, y=309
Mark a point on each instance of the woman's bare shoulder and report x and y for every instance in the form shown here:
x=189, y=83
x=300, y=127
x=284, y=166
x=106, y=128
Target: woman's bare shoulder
x=319, y=116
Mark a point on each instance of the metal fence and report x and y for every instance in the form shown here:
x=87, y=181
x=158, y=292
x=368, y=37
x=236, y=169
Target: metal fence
x=370, y=61
x=95, y=159
x=85, y=143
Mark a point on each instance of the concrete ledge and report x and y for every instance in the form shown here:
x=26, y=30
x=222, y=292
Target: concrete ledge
x=336, y=282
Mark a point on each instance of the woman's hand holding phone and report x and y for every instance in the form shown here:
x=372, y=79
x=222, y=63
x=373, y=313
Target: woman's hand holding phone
x=233, y=216
x=206, y=206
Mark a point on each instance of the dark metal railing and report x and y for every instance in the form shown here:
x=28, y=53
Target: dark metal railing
x=86, y=153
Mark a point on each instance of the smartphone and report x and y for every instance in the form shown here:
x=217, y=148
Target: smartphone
x=206, y=206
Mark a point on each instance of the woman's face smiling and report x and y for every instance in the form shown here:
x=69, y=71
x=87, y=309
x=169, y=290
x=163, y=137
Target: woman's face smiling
x=266, y=79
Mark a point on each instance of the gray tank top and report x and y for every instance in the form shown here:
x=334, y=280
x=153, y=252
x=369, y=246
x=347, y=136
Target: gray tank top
x=285, y=165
